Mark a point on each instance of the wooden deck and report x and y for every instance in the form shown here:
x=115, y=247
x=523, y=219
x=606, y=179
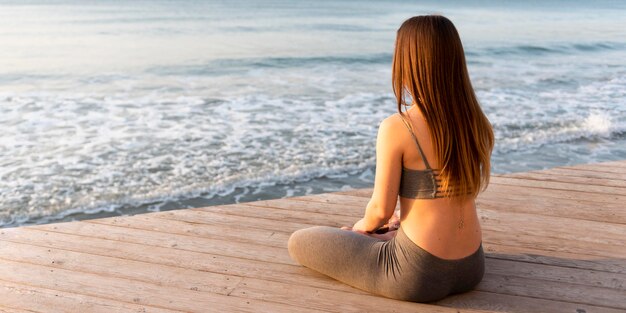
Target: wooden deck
x=554, y=241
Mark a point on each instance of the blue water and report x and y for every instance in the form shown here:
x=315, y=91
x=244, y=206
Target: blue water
x=111, y=108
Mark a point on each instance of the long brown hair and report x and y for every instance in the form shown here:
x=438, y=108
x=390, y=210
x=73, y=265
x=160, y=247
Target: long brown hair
x=429, y=64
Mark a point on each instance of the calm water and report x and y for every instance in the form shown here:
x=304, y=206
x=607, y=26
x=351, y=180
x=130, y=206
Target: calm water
x=124, y=107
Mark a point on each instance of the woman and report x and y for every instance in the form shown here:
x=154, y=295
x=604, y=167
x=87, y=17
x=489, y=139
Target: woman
x=435, y=158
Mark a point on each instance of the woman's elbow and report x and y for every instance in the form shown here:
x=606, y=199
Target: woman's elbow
x=382, y=212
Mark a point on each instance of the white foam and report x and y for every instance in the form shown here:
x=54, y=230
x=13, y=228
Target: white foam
x=599, y=124
x=596, y=110
x=129, y=150
x=92, y=144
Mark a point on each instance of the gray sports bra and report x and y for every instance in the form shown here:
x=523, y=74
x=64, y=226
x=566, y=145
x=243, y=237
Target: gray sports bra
x=419, y=184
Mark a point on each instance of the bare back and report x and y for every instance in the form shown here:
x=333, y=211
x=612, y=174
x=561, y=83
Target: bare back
x=440, y=226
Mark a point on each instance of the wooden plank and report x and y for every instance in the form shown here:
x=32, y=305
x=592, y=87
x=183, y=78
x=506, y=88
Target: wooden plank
x=554, y=227
x=330, y=301
x=528, y=240
x=115, y=267
x=591, y=189
x=530, y=254
x=280, y=215
x=621, y=163
x=132, y=291
x=576, y=209
x=579, y=172
x=570, y=278
x=517, y=304
x=308, y=206
x=614, y=201
x=545, y=289
x=192, y=230
x=25, y=298
x=362, y=192
x=555, y=177
x=210, y=218
x=178, y=258
x=11, y=310
x=173, y=241
x=597, y=167
x=603, y=167
x=335, y=198
x=14, y=310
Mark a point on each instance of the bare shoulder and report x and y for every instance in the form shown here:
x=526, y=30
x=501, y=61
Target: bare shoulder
x=391, y=122
x=390, y=134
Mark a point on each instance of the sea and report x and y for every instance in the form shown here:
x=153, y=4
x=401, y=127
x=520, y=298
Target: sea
x=124, y=107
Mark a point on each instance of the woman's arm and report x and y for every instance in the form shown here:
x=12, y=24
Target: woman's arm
x=387, y=180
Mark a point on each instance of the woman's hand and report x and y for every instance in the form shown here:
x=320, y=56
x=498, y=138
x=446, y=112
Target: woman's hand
x=394, y=222
x=358, y=227
x=386, y=236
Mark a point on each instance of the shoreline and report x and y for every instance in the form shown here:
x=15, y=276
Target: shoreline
x=317, y=185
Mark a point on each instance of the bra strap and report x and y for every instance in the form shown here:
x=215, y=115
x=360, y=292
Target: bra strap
x=416, y=142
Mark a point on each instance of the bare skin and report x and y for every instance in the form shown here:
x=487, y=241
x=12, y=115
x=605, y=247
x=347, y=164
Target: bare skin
x=446, y=229
x=391, y=228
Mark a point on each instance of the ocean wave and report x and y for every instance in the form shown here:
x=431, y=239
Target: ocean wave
x=229, y=66
x=61, y=153
x=240, y=65
x=548, y=48
x=12, y=218
x=534, y=135
x=69, y=152
x=592, y=111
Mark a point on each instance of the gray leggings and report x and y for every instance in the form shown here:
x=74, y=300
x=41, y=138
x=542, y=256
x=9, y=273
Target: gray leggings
x=397, y=269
